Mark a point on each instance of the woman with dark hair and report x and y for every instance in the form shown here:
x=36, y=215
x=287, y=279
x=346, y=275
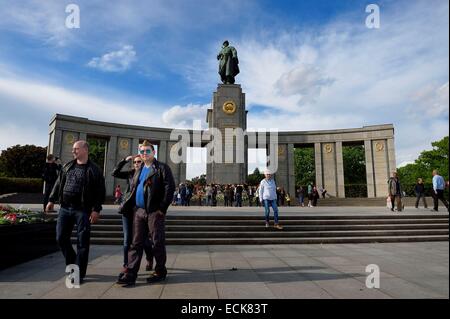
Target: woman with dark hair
x=419, y=189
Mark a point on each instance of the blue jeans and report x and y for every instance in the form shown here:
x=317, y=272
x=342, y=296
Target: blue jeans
x=272, y=203
x=127, y=226
x=67, y=218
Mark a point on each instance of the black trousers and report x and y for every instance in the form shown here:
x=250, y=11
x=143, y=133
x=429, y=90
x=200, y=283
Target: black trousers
x=152, y=225
x=418, y=197
x=436, y=197
x=47, y=191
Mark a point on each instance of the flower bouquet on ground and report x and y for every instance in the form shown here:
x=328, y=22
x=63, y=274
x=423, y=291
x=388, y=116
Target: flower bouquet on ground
x=12, y=216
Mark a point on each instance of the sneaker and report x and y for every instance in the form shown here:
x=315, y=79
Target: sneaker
x=267, y=225
x=156, y=278
x=149, y=266
x=278, y=226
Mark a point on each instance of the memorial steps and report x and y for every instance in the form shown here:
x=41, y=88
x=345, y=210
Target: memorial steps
x=235, y=230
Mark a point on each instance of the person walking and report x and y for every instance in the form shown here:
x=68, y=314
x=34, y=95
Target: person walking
x=258, y=203
x=49, y=176
x=310, y=194
x=438, y=190
x=153, y=186
x=315, y=196
x=239, y=190
x=268, y=197
x=395, y=191
x=226, y=195
x=419, y=189
x=127, y=212
x=80, y=190
x=301, y=196
x=250, y=195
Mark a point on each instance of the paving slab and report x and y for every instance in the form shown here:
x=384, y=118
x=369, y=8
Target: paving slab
x=407, y=270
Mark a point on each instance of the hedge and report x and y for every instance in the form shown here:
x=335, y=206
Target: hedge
x=20, y=185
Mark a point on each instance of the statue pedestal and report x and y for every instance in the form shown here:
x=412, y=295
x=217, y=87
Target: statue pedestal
x=228, y=111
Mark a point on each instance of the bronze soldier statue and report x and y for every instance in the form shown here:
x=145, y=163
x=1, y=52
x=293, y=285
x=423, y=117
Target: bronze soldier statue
x=228, y=65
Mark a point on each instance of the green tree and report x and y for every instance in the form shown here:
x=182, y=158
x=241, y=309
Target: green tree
x=97, y=151
x=23, y=161
x=428, y=160
x=255, y=178
x=354, y=164
x=305, y=170
x=200, y=180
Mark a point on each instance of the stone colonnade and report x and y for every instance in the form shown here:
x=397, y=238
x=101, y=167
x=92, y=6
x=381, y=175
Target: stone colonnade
x=123, y=140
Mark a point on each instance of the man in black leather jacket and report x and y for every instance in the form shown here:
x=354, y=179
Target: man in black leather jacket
x=80, y=190
x=151, y=193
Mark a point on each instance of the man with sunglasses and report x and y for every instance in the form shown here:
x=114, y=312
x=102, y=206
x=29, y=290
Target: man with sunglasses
x=151, y=193
x=128, y=212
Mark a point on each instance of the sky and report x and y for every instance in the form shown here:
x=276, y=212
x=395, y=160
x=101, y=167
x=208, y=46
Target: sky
x=305, y=65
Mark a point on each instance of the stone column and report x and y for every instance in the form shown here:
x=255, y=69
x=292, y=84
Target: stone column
x=123, y=150
x=291, y=171
x=340, y=171
x=228, y=112
x=68, y=138
x=329, y=168
x=281, y=175
x=380, y=167
x=55, y=145
x=178, y=169
x=318, y=163
x=369, y=169
x=391, y=154
x=110, y=163
x=134, y=146
x=162, y=151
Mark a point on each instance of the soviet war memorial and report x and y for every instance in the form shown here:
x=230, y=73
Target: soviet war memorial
x=265, y=154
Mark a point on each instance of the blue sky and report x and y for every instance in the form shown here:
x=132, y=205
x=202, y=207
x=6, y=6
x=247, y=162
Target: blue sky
x=309, y=65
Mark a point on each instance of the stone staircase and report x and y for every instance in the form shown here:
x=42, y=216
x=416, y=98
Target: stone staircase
x=368, y=202
x=238, y=230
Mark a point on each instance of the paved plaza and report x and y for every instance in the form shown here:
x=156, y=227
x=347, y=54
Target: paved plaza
x=408, y=270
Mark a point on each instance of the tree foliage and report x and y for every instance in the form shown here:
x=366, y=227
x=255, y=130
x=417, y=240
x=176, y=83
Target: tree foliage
x=199, y=180
x=354, y=164
x=255, y=178
x=305, y=170
x=97, y=151
x=23, y=161
x=428, y=160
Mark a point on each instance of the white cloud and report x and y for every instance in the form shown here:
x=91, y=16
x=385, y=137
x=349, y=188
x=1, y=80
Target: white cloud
x=432, y=101
x=115, y=61
x=304, y=80
x=14, y=133
x=184, y=116
x=27, y=98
